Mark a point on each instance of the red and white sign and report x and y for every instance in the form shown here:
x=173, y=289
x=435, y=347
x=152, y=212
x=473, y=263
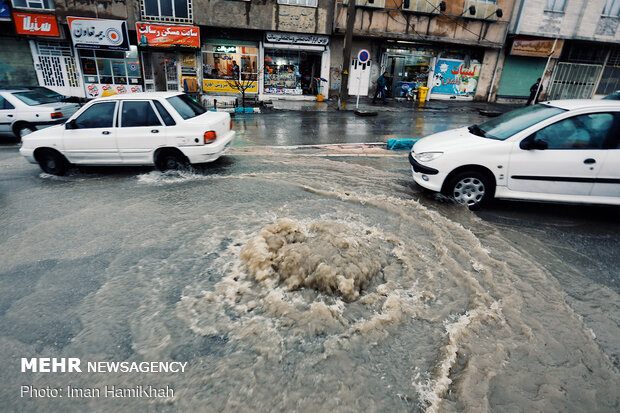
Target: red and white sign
x=163, y=35
x=36, y=24
x=88, y=33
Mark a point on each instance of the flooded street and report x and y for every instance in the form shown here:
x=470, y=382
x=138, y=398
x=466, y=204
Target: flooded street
x=305, y=279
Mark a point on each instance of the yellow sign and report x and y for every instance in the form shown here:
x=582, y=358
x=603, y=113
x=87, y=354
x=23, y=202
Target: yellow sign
x=219, y=85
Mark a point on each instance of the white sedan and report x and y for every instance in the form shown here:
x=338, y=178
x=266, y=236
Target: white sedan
x=165, y=129
x=559, y=151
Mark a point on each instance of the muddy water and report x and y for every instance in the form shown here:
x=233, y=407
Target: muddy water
x=309, y=284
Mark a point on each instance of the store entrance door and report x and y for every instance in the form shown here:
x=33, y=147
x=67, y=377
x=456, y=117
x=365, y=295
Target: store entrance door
x=160, y=71
x=408, y=73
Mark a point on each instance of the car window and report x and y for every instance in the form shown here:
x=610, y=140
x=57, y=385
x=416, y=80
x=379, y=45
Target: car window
x=186, y=106
x=32, y=98
x=579, y=132
x=509, y=123
x=138, y=113
x=5, y=104
x=168, y=120
x=99, y=115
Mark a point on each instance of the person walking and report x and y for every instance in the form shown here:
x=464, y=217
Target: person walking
x=535, y=92
x=381, y=86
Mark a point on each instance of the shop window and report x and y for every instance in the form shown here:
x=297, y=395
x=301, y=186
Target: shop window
x=110, y=67
x=555, y=5
x=179, y=11
x=291, y=72
x=230, y=62
x=311, y=3
x=34, y=4
x=612, y=8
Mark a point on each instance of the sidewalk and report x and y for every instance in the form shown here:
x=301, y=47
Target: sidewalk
x=365, y=104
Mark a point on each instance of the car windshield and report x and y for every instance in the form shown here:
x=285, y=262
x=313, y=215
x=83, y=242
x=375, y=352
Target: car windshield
x=186, y=106
x=509, y=123
x=33, y=98
x=613, y=96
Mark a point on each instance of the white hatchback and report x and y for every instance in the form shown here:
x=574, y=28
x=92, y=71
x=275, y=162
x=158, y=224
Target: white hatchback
x=559, y=151
x=166, y=129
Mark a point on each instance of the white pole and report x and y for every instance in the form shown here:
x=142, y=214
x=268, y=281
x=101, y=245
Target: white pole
x=359, y=84
x=544, y=72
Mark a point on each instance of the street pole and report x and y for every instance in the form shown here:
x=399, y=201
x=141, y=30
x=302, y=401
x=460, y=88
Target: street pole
x=542, y=79
x=346, y=56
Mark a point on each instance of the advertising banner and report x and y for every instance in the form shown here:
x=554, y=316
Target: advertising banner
x=453, y=78
x=4, y=10
x=94, y=90
x=536, y=47
x=218, y=85
x=36, y=24
x=89, y=33
x=163, y=35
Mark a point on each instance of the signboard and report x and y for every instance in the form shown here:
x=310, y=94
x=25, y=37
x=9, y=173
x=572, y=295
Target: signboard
x=219, y=85
x=297, y=38
x=363, y=56
x=453, y=78
x=225, y=49
x=89, y=33
x=536, y=47
x=94, y=90
x=36, y=24
x=163, y=35
x=4, y=10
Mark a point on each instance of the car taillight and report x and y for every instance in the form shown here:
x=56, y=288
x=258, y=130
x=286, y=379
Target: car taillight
x=231, y=124
x=210, y=137
x=56, y=115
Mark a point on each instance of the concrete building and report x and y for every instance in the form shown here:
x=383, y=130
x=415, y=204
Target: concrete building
x=573, y=45
x=451, y=47
x=268, y=48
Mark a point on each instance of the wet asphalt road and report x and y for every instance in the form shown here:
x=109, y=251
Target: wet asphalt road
x=584, y=240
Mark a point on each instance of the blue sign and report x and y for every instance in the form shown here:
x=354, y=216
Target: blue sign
x=452, y=78
x=363, y=56
x=4, y=10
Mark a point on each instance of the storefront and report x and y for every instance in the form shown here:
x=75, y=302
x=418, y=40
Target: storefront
x=408, y=69
x=107, y=62
x=294, y=65
x=170, y=56
x=229, y=66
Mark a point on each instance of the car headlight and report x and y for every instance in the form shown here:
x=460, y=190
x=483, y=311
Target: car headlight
x=427, y=156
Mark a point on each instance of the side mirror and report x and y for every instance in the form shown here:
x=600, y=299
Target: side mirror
x=532, y=143
x=71, y=125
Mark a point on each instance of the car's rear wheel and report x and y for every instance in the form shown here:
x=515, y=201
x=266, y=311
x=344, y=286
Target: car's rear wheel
x=470, y=188
x=52, y=162
x=23, y=130
x=168, y=160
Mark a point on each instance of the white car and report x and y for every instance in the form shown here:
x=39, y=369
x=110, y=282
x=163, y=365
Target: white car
x=559, y=151
x=24, y=111
x=165, y=129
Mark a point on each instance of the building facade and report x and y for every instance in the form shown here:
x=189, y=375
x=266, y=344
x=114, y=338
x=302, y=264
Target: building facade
x=573, y=45
x=450, y=47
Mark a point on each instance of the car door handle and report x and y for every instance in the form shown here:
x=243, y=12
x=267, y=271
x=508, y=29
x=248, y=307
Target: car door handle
x=105, y=132
x=154, y=130
x=589, y=160
x=10, y=116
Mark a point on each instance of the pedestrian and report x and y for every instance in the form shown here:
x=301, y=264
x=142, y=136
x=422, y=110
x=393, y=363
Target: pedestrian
x=535, y=92
x=235, y=70
x=381, y=86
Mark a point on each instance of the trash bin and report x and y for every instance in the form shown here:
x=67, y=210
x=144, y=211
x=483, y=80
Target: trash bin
x=422, y=92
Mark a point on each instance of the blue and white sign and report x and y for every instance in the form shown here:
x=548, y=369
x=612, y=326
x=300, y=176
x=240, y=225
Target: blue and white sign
x=4, y=10
x=453, y=78
x=363, y=56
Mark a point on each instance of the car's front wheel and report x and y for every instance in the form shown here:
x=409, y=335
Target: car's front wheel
x=471, y=188
x=52, y=162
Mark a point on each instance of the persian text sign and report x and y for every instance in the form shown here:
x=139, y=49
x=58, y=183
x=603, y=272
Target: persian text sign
x=453, y=78
x=163, y=35
x=528, y=46
x=98, y=34
x=297, y=38
x=218, y=85
x=36, y=24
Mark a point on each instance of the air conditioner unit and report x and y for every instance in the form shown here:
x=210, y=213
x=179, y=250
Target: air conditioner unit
x=484, y=10
x=422, y=6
